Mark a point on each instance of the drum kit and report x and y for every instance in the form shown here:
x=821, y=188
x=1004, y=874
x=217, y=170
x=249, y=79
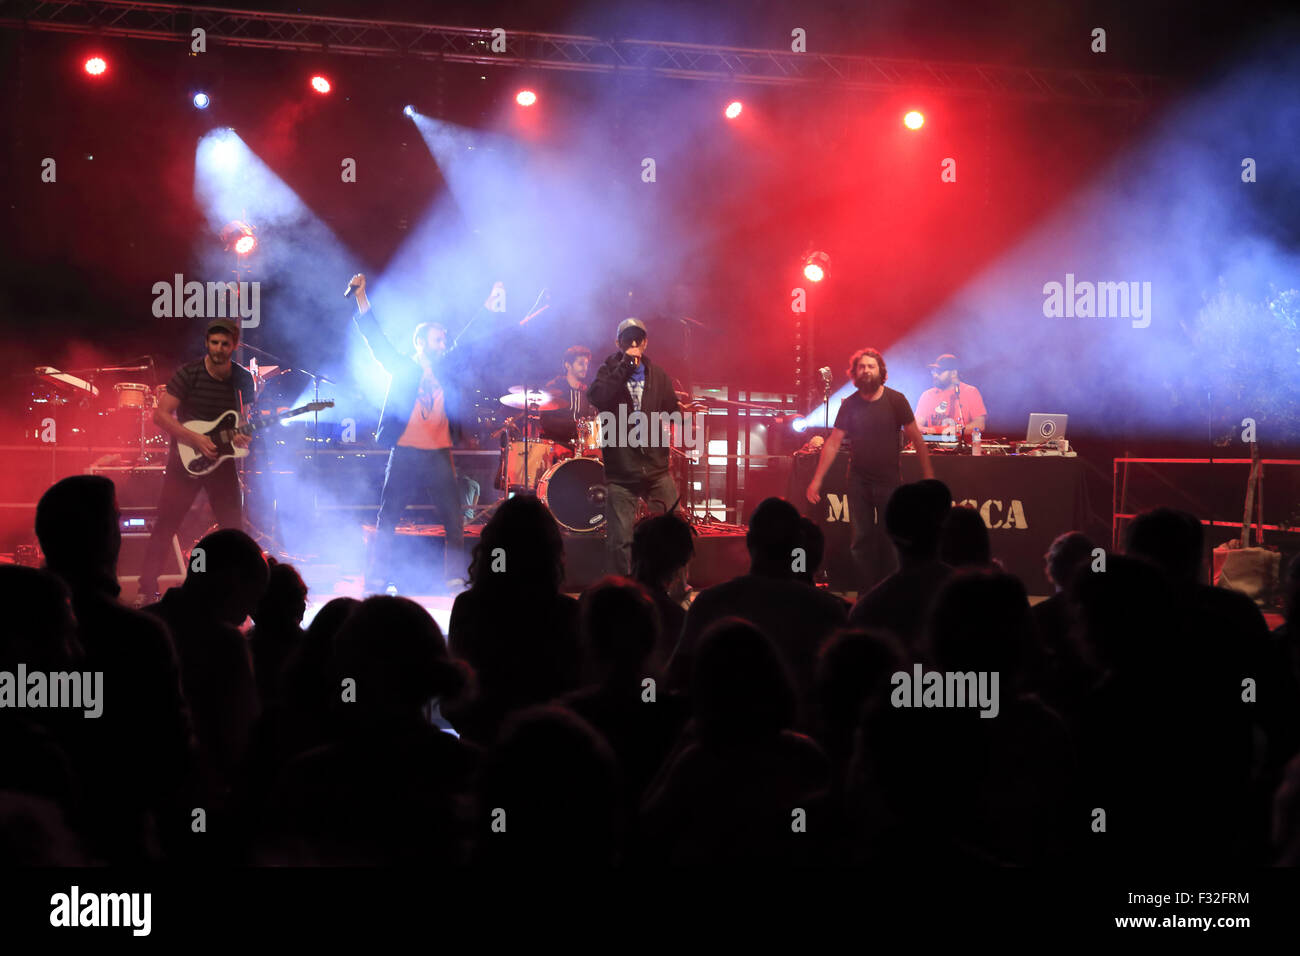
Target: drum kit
x=569, y=478
x=85, y=413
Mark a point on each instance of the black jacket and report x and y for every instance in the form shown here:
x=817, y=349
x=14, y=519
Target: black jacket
x=404, y=388
x=608, y=392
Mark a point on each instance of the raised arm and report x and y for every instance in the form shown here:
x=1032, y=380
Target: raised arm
x=382, y=349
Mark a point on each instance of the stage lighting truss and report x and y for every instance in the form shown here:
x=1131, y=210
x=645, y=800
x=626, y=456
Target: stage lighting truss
x=545, y=51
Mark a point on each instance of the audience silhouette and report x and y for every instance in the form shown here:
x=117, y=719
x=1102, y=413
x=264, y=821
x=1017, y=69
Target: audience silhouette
x=1136, y=716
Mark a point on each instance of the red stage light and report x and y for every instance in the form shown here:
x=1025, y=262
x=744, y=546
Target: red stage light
x=815, y=266
x=320, y=84
x=733, y=109
x=525, y=97
x=913, y=120
x=96, y=66
x=245, y=244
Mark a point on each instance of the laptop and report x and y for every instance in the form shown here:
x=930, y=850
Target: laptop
x=1044, y=427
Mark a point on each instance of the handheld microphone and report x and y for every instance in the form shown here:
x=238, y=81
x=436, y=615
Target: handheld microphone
x=350, y=290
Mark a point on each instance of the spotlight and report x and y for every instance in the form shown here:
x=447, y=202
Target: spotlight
x=239, y=237
x=225, y=151
x=913, y=120
x=96, y=66
x=409, y=111
x=816, y=265
x=320, y=84
x=800, y=424
x=201, y=101
x=525, y=97
x=733, y=109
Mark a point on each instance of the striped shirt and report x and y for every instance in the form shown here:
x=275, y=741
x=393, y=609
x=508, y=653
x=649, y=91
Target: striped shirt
x=203, y=397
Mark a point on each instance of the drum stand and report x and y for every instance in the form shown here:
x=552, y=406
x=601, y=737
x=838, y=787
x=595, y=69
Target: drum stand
x=507, y=488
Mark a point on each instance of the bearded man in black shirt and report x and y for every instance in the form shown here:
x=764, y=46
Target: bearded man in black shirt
x=876, y=420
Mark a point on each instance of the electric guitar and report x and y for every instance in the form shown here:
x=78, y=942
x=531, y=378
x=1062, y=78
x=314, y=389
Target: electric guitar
x=222, y=431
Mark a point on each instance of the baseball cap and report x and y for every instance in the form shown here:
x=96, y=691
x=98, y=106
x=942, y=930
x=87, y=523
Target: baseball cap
x=229, y=326
x=630, y=324
x=944, y=362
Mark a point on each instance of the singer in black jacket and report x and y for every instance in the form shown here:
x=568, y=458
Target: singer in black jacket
x=628, y=382
x=419, y=424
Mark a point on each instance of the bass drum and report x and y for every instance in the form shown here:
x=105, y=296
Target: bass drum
x=574, y=490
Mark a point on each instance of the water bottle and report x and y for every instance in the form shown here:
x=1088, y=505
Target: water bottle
x=975, y=442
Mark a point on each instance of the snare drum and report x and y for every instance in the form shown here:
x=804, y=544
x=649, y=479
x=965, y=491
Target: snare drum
x=131, y=394
x=588, y=441
x=574, y=490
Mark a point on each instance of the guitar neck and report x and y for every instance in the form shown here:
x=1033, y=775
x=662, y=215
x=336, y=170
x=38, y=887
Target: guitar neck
x=251, y=427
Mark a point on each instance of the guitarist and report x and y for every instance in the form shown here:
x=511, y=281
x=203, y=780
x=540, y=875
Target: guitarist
x=200, y=390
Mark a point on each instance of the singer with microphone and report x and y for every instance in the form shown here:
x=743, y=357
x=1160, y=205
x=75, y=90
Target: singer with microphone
x=627, y=382
x=418, y=424
x=951, y=403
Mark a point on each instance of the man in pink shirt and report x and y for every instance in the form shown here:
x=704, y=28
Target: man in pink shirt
x=951, y=404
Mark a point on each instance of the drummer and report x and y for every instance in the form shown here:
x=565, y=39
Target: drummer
x=571, y=388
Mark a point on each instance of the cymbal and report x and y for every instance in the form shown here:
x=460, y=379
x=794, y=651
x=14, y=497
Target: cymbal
x=537, y=401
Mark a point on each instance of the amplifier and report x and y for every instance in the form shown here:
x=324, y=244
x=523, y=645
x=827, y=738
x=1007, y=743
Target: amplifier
x=138, y=486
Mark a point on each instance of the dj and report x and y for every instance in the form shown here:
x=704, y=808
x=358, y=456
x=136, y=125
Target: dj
x=951, y=403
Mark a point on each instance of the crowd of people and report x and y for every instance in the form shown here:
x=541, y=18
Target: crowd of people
x=1144, y=716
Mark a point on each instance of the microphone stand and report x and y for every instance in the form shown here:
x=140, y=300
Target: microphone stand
x=826, y=400
x=316, y=379
x=961, y=424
